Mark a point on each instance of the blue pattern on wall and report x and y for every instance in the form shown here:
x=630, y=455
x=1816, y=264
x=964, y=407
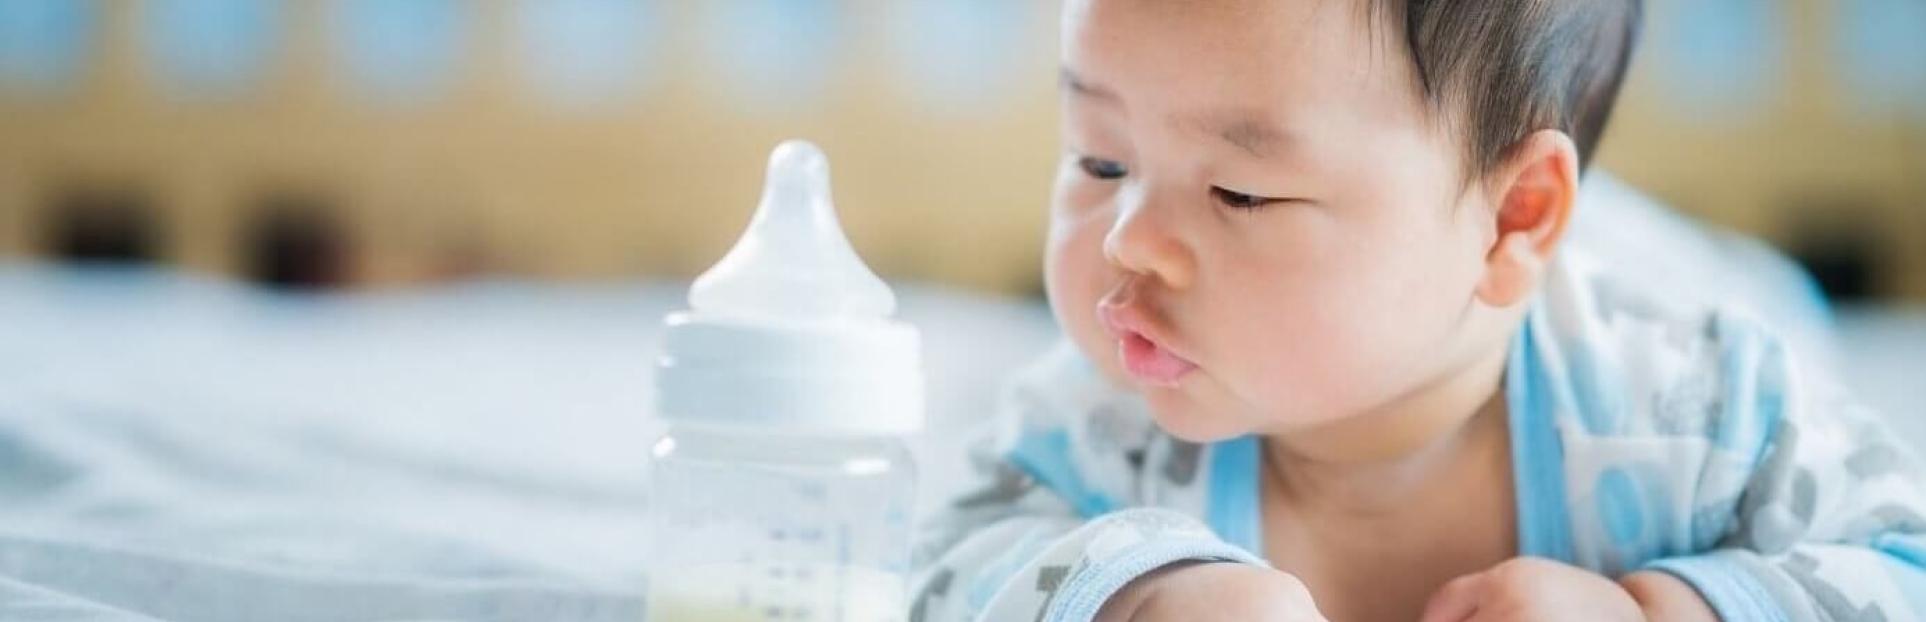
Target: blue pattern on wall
x=773, y=54
x=1717, y=60
x=400, y=49
x=957, y=55
x=44, y=44
x=200, y=48
x=586, y=51
x=1881, y=46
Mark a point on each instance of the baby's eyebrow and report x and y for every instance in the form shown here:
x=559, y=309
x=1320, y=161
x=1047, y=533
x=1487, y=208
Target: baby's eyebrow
x=1240, y=128
x=1255, y=137
x=1074, y=83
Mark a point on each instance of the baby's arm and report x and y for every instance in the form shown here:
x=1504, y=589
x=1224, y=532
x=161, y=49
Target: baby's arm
x=1832, y=524
x=1044, y=535
x=1039, y=568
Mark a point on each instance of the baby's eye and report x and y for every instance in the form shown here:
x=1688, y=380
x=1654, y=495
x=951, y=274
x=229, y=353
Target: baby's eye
x=1102, y=169
x=1239, y=200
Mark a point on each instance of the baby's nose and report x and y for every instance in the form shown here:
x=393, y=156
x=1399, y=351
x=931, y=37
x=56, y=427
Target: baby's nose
x=1143, y=241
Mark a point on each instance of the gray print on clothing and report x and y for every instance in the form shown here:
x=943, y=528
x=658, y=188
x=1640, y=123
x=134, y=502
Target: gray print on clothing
x=1874, y=460
x=1778, y=525
x=938, y=586
x=1181, y=466
x=1049, y=580
x=1803, y=569
x=1006, y=486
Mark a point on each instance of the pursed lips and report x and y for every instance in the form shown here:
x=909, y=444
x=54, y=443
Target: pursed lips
x=1143, y=346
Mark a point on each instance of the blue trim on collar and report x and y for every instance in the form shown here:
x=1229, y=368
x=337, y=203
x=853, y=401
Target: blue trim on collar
x=1045, y=455
x=1537, y=452
x=1538, y=467
x=1232, y=508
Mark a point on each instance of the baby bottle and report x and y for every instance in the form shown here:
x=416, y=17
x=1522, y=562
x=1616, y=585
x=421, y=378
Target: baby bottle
x=782, y=489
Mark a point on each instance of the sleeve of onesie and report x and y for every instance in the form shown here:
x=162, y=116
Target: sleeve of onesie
x=1050, y=528
x=1831, y=523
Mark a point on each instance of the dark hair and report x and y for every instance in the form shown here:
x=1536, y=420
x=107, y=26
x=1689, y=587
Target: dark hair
x=1503, y=69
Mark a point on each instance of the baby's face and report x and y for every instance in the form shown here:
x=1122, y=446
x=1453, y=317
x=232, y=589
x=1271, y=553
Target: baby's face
x=1255, y=221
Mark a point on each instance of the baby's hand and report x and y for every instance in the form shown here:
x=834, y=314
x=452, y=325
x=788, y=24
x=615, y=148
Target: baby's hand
x=1212, y=591
x=1526, y=589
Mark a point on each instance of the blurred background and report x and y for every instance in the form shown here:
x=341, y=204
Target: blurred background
x=361, y=143
x=373, y=143
x=375, y=286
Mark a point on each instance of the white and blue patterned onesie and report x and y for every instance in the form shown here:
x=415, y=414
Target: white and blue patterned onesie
x=1643, y=437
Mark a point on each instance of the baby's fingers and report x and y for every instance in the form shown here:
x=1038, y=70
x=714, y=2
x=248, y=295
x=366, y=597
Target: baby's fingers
x=1456, y=601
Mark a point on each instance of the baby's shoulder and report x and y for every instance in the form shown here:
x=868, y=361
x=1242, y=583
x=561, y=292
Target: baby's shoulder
x=1628, y=362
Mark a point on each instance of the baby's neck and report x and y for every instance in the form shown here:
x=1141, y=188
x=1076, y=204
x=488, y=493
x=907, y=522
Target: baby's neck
x=1378, y=462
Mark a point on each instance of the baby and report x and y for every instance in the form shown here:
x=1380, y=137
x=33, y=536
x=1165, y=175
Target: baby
x=1328, y=360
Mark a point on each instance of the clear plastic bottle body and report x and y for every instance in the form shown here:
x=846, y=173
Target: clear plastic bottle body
x=758, y=526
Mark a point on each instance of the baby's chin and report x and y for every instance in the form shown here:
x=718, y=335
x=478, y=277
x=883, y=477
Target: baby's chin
x=1192, y=412
x=1183, y=415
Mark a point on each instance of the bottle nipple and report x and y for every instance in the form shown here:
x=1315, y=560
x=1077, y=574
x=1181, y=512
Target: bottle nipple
x=793, y=261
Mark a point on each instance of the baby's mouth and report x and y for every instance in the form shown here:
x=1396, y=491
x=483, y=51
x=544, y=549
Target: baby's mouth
x=1144, y=357
x=1150, y=363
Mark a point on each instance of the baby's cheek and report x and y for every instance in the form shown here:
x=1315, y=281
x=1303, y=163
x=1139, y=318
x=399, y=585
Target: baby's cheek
x=1371, y=352
x=1309, y=356
x=1075, y=277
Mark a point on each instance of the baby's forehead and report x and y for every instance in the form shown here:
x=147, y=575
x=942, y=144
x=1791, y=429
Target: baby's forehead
x=1243, y=24
x=1240, y=58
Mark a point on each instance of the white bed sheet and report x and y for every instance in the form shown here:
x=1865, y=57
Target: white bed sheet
x=186, y=449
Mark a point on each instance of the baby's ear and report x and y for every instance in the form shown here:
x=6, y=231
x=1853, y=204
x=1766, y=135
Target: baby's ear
x=1536, y=185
